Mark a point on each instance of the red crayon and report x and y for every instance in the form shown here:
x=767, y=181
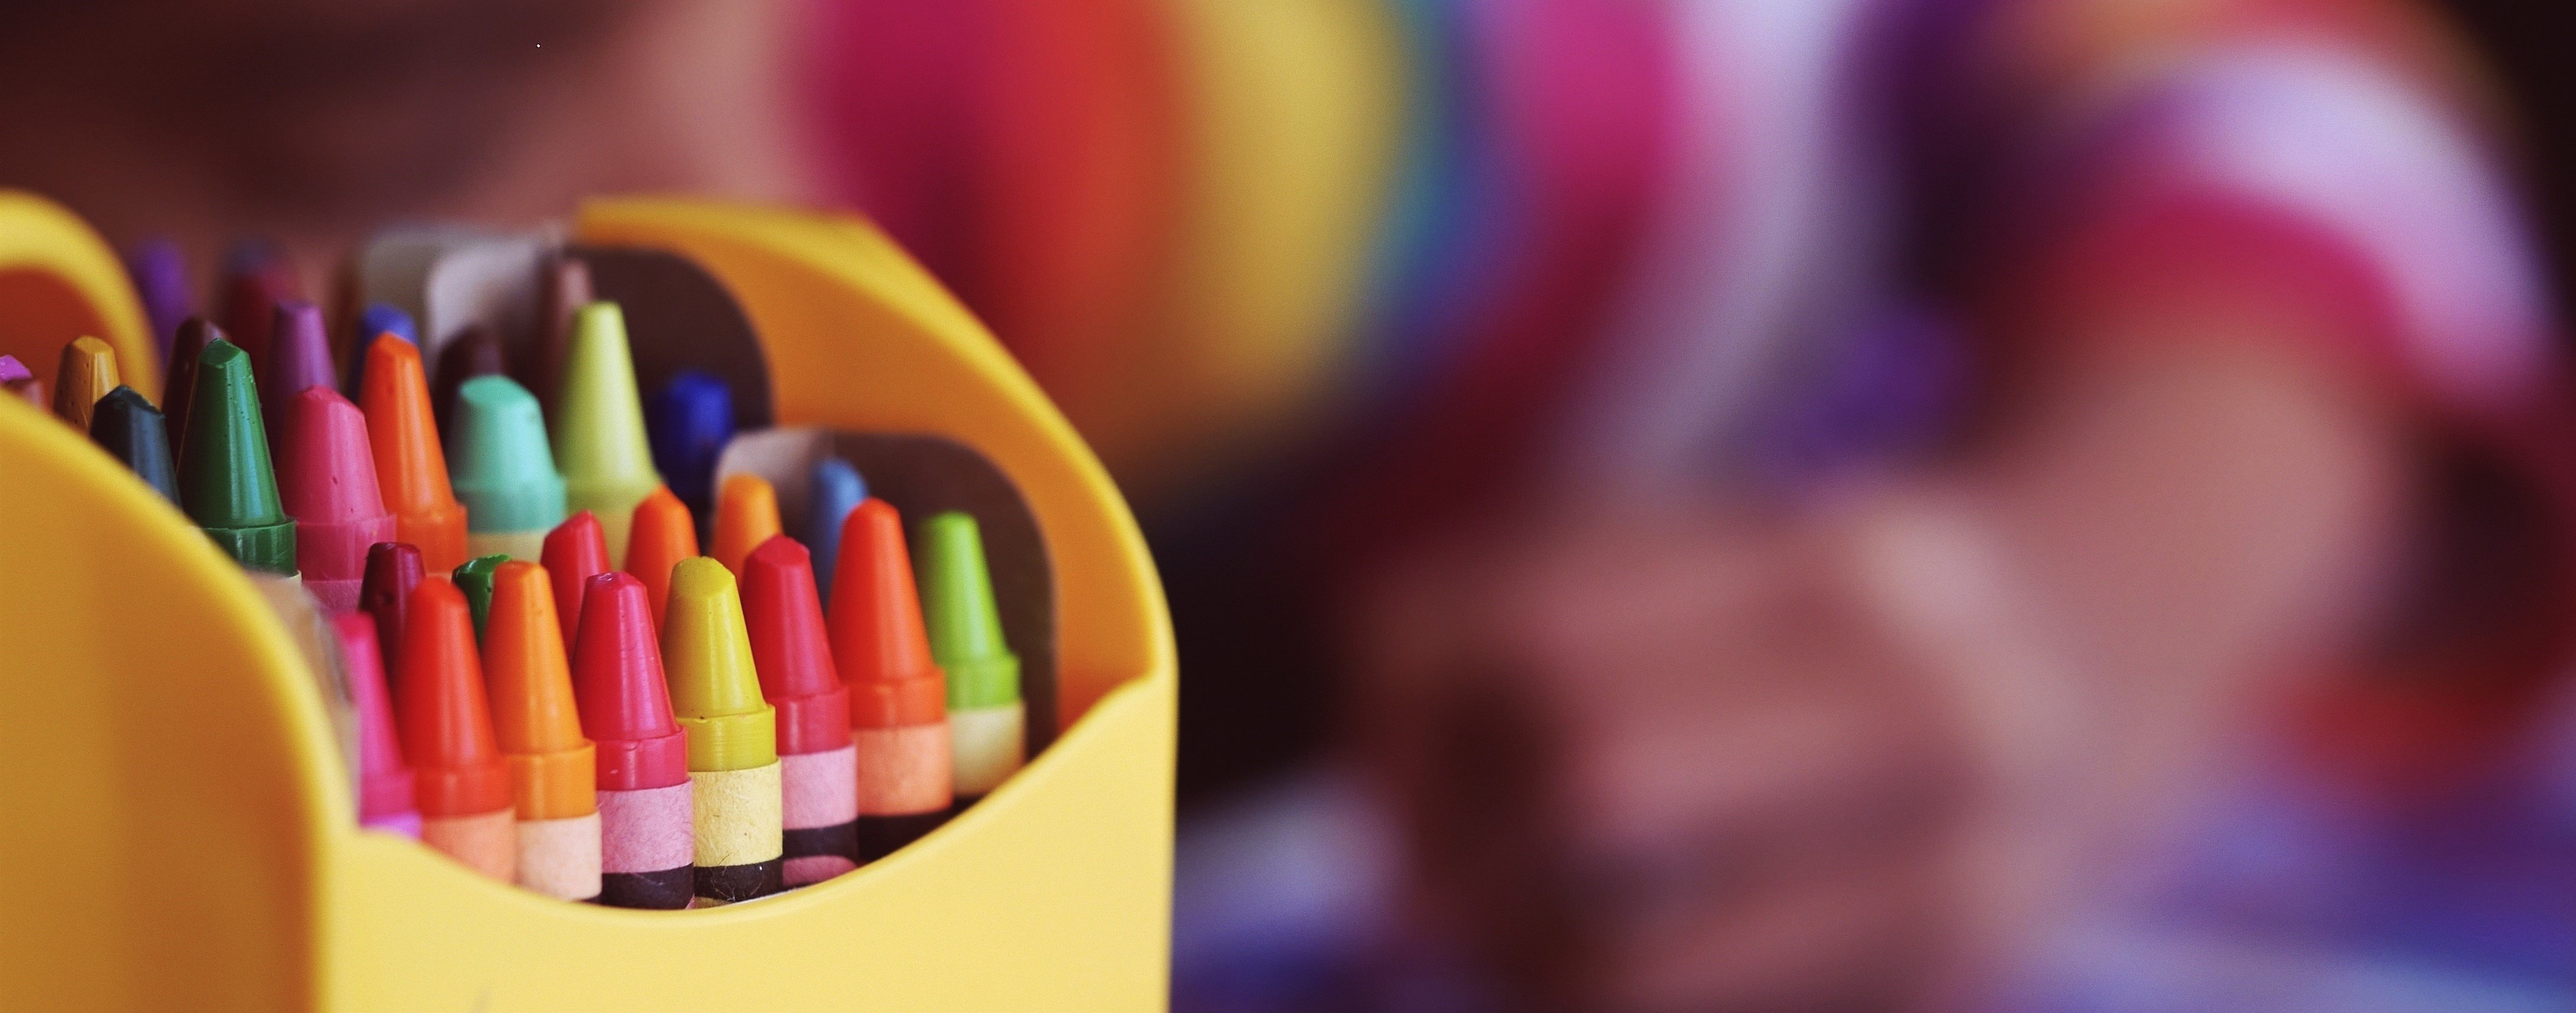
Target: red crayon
x=393, y=569
x=463, y=784
x=575, y=551
x=647, y=821
x=793, y=657
x=327, y=475
x=385, y=790
x=256, y=278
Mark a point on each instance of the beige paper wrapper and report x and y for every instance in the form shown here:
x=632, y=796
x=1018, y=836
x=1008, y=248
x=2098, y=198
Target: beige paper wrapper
x=740, y=815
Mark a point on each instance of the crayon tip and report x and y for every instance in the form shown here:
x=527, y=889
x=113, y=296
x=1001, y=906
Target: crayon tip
x=789, y=650
x=410, y=467
x=574, y=553
x=87, y=373
x=562, y=292
x=393, y=569
x=877, y=633
x=179, y=387
x=160, y=274
x=440, y=704
x=384, y=780
x=257, y=277
x=475, y=353
x=533, y=713
x=663, y=536
x=377, y=320
x=706, y=653
x=226, y=482
x=328, y=475
x=689, y=422
x=503, y=470
x=299, y=357
x=619, y=687
x=837, y=489
x=746, y=517
x=12, y=370
x=965, y=625
x=474, y=578
x=128, y=427
x=598, y=424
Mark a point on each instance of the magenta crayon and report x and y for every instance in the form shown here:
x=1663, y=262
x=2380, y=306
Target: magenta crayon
x=393, y=569
x=819, y=772
x=647, y=820
x=20, y=382
x=327, y=474
x=385, y=789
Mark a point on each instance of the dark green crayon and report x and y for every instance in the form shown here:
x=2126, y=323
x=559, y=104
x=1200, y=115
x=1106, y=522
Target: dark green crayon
x=474, y=577
x=226, y=483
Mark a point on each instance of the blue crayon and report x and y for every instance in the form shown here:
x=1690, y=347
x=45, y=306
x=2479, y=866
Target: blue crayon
x=837, y=491
x=688, y=424
x=377, y=318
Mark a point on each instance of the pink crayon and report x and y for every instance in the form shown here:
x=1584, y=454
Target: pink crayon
x=327, y=476
x=384, y=780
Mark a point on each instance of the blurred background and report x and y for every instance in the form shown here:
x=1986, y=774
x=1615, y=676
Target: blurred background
x=2051, y=505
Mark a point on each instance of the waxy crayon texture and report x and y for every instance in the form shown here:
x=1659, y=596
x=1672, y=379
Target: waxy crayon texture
x=327, y=476
x=411, y=468
x=385, y=790
x=598, y=425
x=553, y=767
x=256, y=277
x=746, y=515
x=393, y=570
x=130, y=429
x=574, y=552
x=299, y=358
x=898, y=697
x=562, y=291
x=732, y=732
x=987, y=725
x=179, y=382
x=475, y=353
x=837, y=490
x=226, y=483
x=663, y=538
x=86, y=373
x=463, y=784
x=647, y=837
x=793, y=660
x=503, y=470
x=377, y=320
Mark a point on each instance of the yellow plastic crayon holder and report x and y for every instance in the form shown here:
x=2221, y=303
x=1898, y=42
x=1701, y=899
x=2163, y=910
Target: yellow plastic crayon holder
x=182, y=832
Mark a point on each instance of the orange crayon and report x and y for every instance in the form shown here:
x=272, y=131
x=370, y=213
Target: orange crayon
x=411, y=467
x=662, y=535
x=746, y=515
x=462, y=784
x=898, y=697
x=553, y=768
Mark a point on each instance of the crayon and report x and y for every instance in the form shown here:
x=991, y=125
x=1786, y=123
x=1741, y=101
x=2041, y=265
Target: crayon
x=225, y=481
x=127, y=426
x=20, y=382
x=385, y=788
x=393, y=569
x=463, y=785
x=733, y=737
x=898, y=696
x=837, y=489
x=598, y=425
x=574, y=553
x=160, y=274
x=179, y=388
x=474, y=577
x=746, y=516
x=553, y=769
x=663, y=537
x=503, y=470
x=475, y=353
x=409, y=464
x=299, y=357
x=818, y=761
x=689, y=421
x=377, y=320
x=256, y=278
x=328, y=475
x=647, y=851
x=562, y=291
x=986, y=721
x=86, y=374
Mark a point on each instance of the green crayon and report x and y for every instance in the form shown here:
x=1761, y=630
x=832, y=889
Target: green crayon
x=474, y=577
x=226, y=483
x=501, y=469
x=598, y=426
x=986, y=721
